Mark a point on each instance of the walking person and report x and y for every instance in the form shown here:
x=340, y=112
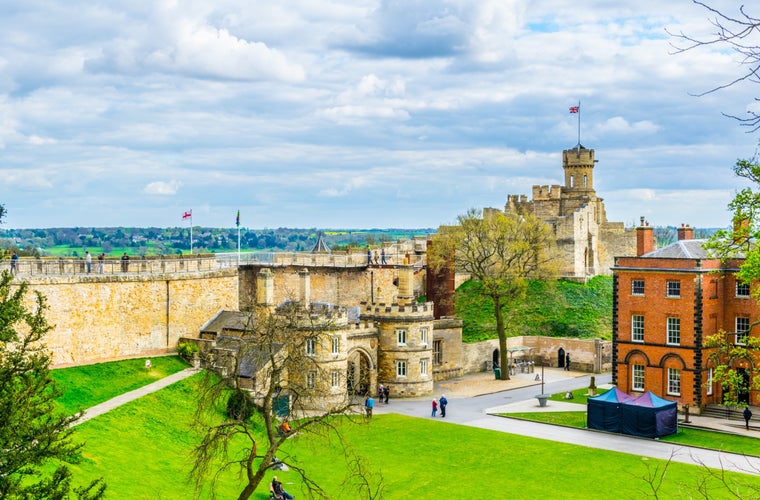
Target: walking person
x=386, y=393
x=14, y=263
x=101, y=263
x=369, y=257
x=435, y=408
x=442, y=403
x=382, y=256
x=567, y=362
x=124, y=262
x=747, y=416
x=88, y=260
x=369, y=404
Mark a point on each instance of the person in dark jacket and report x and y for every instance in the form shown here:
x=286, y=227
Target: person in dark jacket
x=442, y=404
x=278, y=491
x=747, y=416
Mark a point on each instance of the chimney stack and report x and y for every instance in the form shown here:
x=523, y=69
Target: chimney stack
x=644, y=238
x=685, y=232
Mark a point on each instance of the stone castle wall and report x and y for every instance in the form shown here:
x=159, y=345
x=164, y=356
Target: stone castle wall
x=106, y=317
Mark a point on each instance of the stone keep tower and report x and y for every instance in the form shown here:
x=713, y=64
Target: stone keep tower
x=586, y=241
x=405, y=350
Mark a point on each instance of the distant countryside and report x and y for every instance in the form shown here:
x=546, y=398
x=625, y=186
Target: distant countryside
x=154, y=241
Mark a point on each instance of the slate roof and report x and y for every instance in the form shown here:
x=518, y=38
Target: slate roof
x=683, y=249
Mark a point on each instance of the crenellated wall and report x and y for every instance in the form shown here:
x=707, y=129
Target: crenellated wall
x=105, y=317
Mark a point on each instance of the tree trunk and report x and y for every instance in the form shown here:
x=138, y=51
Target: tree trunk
x=503, y=353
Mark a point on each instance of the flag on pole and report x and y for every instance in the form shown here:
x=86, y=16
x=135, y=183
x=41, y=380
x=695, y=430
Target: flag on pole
x=237, y=219
x=187, y=215
x=575, y=109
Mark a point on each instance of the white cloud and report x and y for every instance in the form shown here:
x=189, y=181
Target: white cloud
x=162, y=187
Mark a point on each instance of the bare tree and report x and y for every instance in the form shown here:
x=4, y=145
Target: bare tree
x=739, y=33
x=277, y=363
x=502, y=251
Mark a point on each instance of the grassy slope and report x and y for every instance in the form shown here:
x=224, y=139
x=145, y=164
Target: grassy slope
x=566, y=309
x=142, y=450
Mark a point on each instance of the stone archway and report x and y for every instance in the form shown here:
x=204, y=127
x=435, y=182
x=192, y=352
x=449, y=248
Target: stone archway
x=361, y=376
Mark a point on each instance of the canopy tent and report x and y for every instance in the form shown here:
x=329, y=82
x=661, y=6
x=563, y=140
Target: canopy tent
x=649, y=416
x=603, y=411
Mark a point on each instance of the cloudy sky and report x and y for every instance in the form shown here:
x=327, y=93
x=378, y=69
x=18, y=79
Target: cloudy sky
x=357, y=113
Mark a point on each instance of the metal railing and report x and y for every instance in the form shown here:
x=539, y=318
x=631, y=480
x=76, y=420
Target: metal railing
x=161, y=265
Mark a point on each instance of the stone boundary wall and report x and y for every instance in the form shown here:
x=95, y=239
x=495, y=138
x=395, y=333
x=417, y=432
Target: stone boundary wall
x=100, y=318
x=587, y=355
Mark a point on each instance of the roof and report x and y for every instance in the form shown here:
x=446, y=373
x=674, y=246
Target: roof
x=320, y=246
x=227, y=320
x=683, y=249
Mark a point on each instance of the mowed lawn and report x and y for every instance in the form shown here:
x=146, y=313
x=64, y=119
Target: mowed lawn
x=143, y=451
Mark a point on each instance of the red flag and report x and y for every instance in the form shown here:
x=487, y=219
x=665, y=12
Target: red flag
x=575, y=109
x=187, y=215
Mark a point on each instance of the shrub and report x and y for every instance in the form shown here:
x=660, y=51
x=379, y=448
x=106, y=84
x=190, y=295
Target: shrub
x=187, y=350
x=239, y=406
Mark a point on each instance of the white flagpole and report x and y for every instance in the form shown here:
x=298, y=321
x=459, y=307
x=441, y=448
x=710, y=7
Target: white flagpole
x=191, y=232
x=579, y=124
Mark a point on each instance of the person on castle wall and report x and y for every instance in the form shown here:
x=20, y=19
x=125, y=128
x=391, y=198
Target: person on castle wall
x=567, y=362
x=382, y=256
x=747, y=416
x=88, y=260
x=369, y=257
x=442, y=403
x=14, y=263
x=101, y=263
x=435, y=407
x=124, y=262
x=386, y=393
x=377, y=259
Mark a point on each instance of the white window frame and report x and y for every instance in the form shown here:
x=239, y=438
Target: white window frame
x=674, y=382
x=400, y=336
x=401, y=368
x=311, y=380
x=335, y=379
x=741, y=327
x=335, y=345
x=742, y=290
x=673, y=331
x=673, y=289
x=424, y=336
x=709, y=381
x=424, y=367
x=637, y=328
x=637, y=377
x=311, y=347
x=634, y=287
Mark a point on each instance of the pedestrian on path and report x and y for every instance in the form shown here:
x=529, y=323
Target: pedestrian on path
x=442, y=403
x=747, y=416
x=567, y=362
x=386, y=393
x=435, y=407
x=369, y=404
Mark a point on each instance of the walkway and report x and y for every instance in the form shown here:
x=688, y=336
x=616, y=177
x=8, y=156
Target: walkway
x=137, y=393
x=478, y=410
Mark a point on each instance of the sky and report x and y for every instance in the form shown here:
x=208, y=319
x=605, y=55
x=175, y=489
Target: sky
x=359, y=114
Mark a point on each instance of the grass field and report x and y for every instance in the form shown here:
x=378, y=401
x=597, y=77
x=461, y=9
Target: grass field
x=142, y=450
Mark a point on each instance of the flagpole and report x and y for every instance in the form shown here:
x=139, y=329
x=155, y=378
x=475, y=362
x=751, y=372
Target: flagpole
x=237, y=222
x=191, y=233
x=579, y=124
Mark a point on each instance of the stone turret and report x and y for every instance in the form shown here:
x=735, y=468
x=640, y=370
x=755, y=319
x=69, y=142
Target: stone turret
x=578, y=164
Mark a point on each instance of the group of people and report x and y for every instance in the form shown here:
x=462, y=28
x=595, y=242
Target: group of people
x=101, y=262
x=382, y=393
x=440, y=403
x=380, y=261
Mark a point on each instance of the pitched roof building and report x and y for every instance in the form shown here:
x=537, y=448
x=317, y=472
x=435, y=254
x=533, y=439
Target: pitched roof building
x=666, y=302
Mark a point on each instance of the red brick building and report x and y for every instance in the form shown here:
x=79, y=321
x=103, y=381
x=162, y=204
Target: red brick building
x=666, y=302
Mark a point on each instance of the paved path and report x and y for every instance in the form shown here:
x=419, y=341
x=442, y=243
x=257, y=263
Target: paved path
x=137, y=393
x=478, y=411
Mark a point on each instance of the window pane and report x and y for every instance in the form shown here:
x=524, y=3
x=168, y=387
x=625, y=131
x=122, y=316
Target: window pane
x=674, y=289
x=637, y=328
x=637, y=287
x=674, y=381
x=674, y=331
x=638, y=377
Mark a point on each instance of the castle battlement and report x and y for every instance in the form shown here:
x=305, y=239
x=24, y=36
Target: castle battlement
x=541, y=193
x=420, y=311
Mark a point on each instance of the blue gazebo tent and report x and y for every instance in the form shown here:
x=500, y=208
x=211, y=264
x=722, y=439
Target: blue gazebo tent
x=603, y=411
x=649, y=416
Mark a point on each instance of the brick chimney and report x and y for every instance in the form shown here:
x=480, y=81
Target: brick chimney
x=685, y=232
x=644, y=238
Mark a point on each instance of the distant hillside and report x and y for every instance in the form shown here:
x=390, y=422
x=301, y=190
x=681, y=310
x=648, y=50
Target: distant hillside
x=565, y=309
x=73, y=241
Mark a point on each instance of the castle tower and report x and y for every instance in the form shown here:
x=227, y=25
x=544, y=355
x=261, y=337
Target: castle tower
x=578, y=164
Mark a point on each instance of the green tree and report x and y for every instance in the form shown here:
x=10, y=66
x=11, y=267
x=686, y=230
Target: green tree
x=33, y=433
x=276, y=358
x=502, y=251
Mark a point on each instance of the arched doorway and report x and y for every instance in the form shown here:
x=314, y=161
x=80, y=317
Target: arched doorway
x=561, y=358
x=359, y=377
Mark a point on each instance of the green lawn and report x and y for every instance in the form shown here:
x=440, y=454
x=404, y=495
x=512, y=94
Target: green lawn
x=87, y=385
x=142, y=450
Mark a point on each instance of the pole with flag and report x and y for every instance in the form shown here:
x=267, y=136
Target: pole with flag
x=189, y=216
x=237, y=223
x=577, y=110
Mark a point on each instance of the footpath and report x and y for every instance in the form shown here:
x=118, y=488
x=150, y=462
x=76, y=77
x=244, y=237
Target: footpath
x=479, y=400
